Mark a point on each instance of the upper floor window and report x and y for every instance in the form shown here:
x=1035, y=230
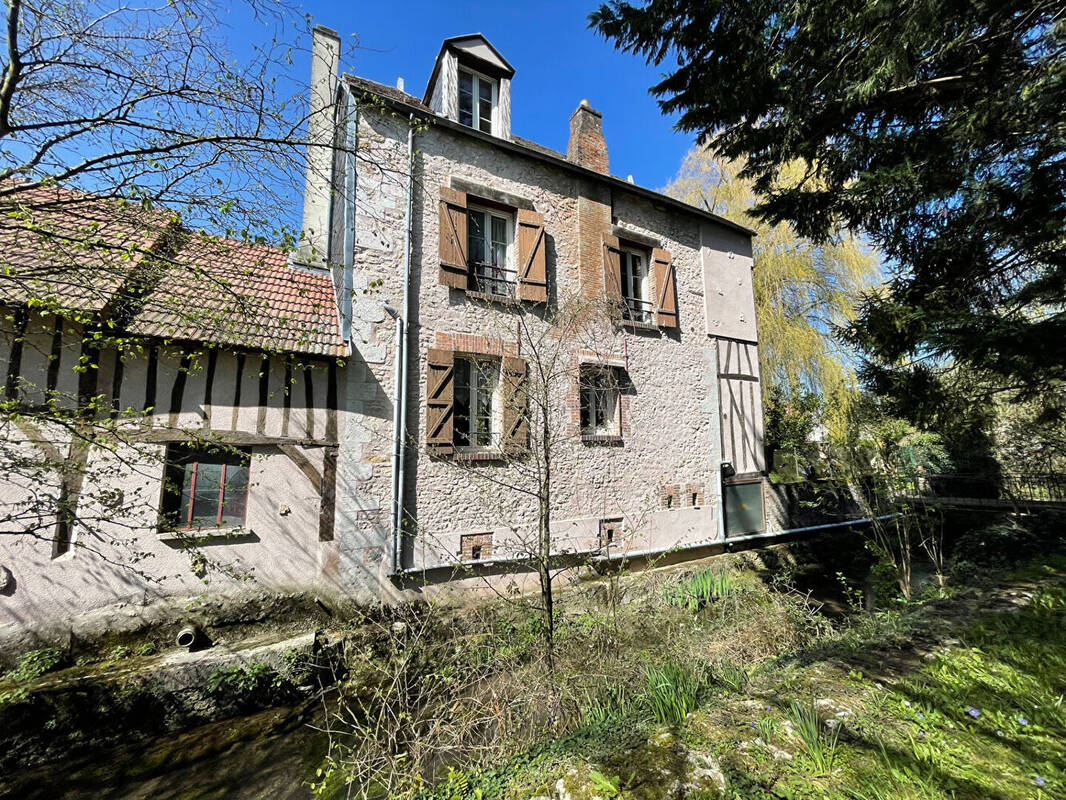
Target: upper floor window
x=490, y=238
x=205, y=489
x=478, y=97
x=636, y=303
x=476, y=402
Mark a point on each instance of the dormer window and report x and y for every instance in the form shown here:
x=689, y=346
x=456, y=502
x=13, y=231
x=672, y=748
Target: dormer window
x=478, y=98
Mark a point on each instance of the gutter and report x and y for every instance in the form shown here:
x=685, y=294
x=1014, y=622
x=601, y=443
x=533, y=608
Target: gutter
x=402, y=342
x=598, y=557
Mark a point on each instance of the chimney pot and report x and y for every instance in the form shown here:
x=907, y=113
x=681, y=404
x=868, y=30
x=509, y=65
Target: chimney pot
x=587, y=147
x=399, y=84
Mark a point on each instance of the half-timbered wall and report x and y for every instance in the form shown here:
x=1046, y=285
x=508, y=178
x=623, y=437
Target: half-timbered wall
x=741, y=406
x=285, y=410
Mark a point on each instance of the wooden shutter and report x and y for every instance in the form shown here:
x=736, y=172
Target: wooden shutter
x=452, y=225
x=612, y=268
x=665, y=288
x=440, y=400
x=515, y=405
x=532, y=261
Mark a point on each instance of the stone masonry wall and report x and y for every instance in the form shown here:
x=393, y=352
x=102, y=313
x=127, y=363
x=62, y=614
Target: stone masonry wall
x=671, y=414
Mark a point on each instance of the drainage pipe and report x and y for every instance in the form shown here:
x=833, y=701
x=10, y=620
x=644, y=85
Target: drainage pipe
x=599, y=558
x=403, y=338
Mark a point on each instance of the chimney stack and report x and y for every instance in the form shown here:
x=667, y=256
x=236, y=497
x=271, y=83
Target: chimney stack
x=325, y=55
x=587, y=146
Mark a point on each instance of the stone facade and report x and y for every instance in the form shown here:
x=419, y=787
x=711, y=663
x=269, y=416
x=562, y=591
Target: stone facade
x=671, y=423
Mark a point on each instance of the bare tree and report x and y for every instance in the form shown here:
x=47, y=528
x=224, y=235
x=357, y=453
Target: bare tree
x=547, y=385
x=125, y=129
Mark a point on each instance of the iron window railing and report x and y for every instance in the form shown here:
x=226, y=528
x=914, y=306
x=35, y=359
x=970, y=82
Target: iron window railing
x=491, y=279
x=637, y=310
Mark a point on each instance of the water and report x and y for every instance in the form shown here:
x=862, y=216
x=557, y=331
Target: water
x=272, y=754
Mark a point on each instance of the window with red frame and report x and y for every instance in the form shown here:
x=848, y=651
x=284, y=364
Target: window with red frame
x=205, y=488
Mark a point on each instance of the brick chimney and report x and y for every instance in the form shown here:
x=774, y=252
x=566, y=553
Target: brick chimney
x=325, y=54
x=587, y=146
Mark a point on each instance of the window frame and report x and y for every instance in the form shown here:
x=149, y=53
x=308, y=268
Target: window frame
x=588, y=391
x=509, y=280
x=636, y=308
x=176, y=515
x=495, y=415
x=477, y=78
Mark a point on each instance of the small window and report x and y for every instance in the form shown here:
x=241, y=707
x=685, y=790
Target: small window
x=610, y=532
x=490, y=245
x=475, y=546
x=205, y=489
x=477, y=382
x=477, y=100
x=599, y=402
x=635, y=303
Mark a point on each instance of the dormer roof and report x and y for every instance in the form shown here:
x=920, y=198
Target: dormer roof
x=474, y=50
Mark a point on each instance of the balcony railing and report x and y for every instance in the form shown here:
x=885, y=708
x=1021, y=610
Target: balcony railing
x=636, y=310
x=494, y=280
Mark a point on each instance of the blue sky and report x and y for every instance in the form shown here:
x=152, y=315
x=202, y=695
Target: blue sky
x=557, y=60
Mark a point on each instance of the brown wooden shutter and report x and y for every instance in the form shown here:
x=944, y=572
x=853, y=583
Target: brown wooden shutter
x=452, y=225
x=532, y=259
x=612, y=268
x=515, y=406
x=665, y=288
x=440, y=400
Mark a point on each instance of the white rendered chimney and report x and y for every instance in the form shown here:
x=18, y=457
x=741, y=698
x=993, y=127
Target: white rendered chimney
x=325, y=55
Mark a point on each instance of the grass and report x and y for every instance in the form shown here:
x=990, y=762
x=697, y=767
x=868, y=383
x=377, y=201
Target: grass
x=956, y=698
x=819, y=741
x=701, y=590
x=673, y=690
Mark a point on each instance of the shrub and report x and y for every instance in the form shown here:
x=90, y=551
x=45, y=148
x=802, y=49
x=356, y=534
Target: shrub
x=673, y=691
x=1001, y=544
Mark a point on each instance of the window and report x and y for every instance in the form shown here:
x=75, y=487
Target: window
x=477, y=100
x=599, y=402
x=489, y=238
x=476, y=404
x=205, y=489
x=475, y=546
x=635, y=303
x=610, y=532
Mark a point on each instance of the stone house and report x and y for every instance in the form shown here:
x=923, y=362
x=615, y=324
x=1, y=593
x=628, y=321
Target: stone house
x=483, y=245
x=353, y=419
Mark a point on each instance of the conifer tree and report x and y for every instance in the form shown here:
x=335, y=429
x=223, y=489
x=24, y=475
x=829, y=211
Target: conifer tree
x=933, y=127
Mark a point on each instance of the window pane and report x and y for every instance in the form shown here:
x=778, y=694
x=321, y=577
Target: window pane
x=235, y=495
x=485, y=105
x=461, y=403
x=206, y=495
x=638, y=277
x=475, y=237
x=586, y=408
x=182, y=515
x=466, y=98
x=486, y=387
x=499, y=242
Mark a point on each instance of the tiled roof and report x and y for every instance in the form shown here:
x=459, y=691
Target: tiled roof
x=241, y=295
x=70, y=248
x=140, y=269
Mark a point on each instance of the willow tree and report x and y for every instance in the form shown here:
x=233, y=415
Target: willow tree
x=805, y=291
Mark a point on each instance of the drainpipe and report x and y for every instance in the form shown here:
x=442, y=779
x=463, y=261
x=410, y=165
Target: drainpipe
x=402, y=341
x=396, y=434
x=597, y=556
x=351, y=121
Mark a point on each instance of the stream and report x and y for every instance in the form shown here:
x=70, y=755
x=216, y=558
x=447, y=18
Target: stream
x=271, y=754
